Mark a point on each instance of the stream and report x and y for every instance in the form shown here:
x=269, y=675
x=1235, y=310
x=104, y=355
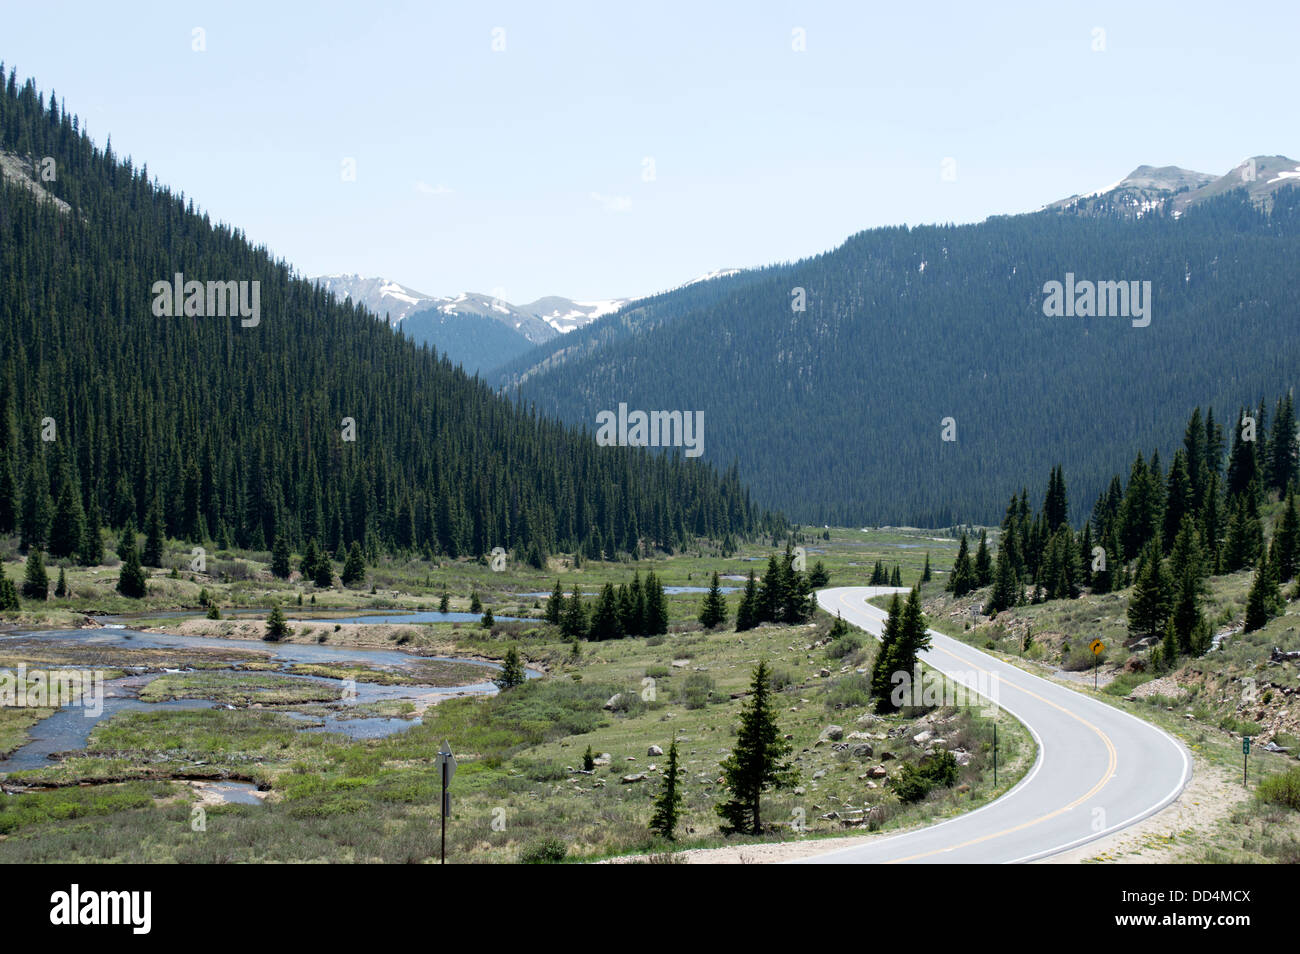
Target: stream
x=68, y=729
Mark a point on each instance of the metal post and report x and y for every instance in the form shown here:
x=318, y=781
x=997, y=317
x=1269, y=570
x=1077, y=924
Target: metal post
x=444, y=812
x=995, y=755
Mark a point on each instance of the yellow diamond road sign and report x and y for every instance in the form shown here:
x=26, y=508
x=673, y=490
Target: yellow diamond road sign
x=1097, y=647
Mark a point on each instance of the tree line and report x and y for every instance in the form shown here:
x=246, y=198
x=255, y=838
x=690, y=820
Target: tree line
x=1161, y=532
x=320, y=423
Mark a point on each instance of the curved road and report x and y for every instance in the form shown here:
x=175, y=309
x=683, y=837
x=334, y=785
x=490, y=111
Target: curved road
x=1099, y=769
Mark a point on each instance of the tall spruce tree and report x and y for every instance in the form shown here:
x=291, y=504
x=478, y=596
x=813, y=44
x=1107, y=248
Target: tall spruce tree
x=281, y=559
x=605, y=620
x=713, y=609
x=668, y=803
x=354, y=568
x=882, y=669
x=573, y=625
x=758, y=762
x=555, y=605
x=1149, y=605
x=153, y=540
x=962, y=580
x=983, y=562
x=36, y=583
x=748, y=610
x=8, y=594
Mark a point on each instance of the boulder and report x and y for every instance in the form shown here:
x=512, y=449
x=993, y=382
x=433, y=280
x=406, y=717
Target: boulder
x=833, y=732
x=638, y=777
x=654, y=750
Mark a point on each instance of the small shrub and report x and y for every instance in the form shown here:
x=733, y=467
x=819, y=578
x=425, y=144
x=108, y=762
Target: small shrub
x=543, y=851
x=1281, y=789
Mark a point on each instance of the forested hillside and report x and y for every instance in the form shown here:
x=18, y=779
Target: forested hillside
x=1162, y=532
x=314, y=422
x=469, y=341
x=835, y=413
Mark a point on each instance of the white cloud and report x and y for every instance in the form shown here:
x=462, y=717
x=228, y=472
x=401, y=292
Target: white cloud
x=439, y=189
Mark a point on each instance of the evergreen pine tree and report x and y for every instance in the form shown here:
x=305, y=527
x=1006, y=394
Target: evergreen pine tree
x=354, y=569
x=488, y=620
x=444, y=604
x=771, y=593
x=1264, y=599
x=323, y=572
x=281, y=559
x=9, y=502
x=605, y=620
x=310, y=558
x=926, y=573
x=962, y=580
x=8, y=594
x=573, y=624
x=1006, y=588
x=913, y=638
x=1149, y=605
x=983, y=569
x=36, y=584
x=1287, y=540
x=131, y=578
x=276, y=626
x=91, y=550
x=758, y=761
x=512, y=671
x=713, y=609
x=61, y=588
x=69, y=526
x=882, y=670
x=554, y=605
x=153, y=541
x=656, y=606
x=668, y=803
x=747, y=612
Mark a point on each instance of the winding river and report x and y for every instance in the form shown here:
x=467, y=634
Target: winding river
x=68, y=729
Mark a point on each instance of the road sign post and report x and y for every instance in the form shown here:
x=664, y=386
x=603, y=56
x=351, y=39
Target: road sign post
x=995, y=753
x=1245, y=755
x=447, y=763
x=1097, y=648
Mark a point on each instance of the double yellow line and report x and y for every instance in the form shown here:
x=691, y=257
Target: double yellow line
x=1112, y=759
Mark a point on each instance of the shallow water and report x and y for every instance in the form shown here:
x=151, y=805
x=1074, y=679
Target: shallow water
x=68, y=729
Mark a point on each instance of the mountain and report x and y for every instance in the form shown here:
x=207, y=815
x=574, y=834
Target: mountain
x=382, y=296
x=1147, y=188
x=476, y=331
x=837, y=413
x=238, y=413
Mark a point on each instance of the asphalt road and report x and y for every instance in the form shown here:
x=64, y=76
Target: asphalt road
x=1099, y=769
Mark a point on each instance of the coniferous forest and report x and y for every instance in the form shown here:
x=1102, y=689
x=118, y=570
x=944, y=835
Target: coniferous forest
x=1162, y=530
x=318, y=423
x=831, y=380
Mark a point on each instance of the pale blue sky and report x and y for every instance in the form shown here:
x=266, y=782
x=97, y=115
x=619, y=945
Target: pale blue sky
x=522, y=170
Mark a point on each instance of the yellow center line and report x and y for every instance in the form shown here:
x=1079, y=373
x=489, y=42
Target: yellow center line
x=1106, y=776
